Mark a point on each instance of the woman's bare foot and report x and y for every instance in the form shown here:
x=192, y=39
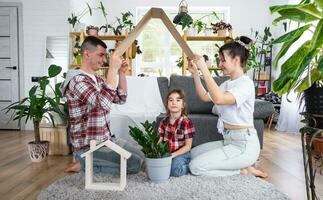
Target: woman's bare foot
x=244, y=171
x=73, y=167
x=257, y=172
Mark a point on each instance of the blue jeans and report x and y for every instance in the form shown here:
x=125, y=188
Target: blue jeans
x=107, y=161
x=239, y=149
x=180, y=164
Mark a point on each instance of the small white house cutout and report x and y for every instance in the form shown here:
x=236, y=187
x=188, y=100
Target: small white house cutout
x=124, y=155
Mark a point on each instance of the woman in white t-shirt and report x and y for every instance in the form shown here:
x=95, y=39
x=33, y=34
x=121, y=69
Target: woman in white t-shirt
x=234, y=102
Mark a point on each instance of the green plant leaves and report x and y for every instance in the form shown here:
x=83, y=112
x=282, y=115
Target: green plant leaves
x=299, y=13
x=290, y=70
x=54, y=70
x=319, y=3
x=148, y=140
x=291, y=35
x=33, y=90
x=317, y=40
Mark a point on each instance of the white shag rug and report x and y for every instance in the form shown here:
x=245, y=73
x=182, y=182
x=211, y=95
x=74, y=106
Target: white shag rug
x=240, y=187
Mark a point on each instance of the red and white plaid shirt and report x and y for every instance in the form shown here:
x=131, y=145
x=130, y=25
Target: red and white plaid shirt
x=176, y=133
x=89, y=106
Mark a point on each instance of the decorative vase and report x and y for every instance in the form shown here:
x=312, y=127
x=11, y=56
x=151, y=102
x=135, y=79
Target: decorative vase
x=158, y=169
x=313, y=104
x=38, y=152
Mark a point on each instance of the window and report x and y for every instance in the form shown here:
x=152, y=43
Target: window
x=161, y=51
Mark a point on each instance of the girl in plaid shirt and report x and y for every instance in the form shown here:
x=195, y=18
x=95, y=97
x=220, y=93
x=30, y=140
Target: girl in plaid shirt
x=177, y=129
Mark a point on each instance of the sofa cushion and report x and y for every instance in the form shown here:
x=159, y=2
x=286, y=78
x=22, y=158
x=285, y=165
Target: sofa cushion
x=195, y=105
x=262, y=110
x=163, y=87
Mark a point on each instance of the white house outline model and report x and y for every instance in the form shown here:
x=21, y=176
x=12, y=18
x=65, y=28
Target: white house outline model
x=124, y=155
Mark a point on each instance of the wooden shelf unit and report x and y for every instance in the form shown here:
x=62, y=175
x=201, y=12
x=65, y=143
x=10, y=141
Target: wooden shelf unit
x=117, y=38
x=201, y=38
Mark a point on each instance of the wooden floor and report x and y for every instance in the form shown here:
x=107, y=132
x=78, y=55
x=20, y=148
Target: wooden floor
x=281, y=157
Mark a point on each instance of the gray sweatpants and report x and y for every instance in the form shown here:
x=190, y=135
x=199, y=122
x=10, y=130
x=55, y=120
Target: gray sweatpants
x=239, y=149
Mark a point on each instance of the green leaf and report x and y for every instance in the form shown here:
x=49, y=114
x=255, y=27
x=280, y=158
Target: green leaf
x=291, y=35
x=283, y=51
x=319, y=3
x=300, y=13
x=315, y=76
x=320, y=64
x=33, y=90
x=290, y=69
x=90, y=9
x=317, y=39
x=54, y=70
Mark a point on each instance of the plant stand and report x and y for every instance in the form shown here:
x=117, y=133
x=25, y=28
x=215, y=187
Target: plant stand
x=313, y=160
x=57, y=137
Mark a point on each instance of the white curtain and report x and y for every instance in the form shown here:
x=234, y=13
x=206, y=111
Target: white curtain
x=289, y=119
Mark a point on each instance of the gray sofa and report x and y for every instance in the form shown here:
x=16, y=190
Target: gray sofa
x=201, y=113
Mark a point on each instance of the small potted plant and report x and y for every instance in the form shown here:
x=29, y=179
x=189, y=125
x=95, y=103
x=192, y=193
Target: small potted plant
x=158, y=159
x=75, y=19
x=35, y=107
x=221, y=28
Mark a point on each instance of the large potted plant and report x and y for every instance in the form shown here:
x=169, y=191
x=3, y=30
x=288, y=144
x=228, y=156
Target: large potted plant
x=35, y=107
x=303, y=70
x=158, y=159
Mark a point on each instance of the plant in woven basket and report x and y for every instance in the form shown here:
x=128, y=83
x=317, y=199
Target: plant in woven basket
x=148, y=140
x=39, y=105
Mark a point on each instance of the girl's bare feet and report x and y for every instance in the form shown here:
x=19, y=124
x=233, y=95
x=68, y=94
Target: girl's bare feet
x=73, y=167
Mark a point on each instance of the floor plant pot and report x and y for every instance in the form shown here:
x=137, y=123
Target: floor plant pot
x=38, y=151
x=158, y=169
x=314, y=105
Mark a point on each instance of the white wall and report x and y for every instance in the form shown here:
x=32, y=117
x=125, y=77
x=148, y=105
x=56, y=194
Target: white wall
x=244, y=14
x=40, y=18
x=43, y=18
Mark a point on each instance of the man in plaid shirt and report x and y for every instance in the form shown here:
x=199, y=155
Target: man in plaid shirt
x=89, y=98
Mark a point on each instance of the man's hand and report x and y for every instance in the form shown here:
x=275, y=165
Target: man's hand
x=124, y=67
x=115, y=61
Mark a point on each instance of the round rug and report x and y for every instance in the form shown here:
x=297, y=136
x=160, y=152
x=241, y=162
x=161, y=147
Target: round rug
x=138, y=186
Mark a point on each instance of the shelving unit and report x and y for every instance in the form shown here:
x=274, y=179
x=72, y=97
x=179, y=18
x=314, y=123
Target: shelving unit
x=262, y=75
x=201, y=38
x=117, y=38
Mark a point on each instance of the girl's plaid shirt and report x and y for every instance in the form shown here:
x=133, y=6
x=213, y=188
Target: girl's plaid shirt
x=89, y=106
x=176, y=133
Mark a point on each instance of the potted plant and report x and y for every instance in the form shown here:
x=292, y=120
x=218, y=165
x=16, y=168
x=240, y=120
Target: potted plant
x=158, y=159
x=74, y=19
x=35, y=107
x=303, y=70
x=199, y=25
x=221, y=27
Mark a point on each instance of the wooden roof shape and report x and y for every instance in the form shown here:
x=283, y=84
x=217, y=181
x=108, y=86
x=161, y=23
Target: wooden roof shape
x=159, y=14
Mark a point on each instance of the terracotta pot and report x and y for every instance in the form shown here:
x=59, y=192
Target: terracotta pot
x=318, y=146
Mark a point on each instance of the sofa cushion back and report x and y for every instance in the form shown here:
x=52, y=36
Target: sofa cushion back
x=163, y=87
x=195, y=105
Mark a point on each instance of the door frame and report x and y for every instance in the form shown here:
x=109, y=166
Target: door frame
x=21, y=80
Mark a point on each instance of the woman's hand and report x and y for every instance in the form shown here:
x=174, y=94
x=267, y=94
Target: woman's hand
x=192, y=67
x=200, y=63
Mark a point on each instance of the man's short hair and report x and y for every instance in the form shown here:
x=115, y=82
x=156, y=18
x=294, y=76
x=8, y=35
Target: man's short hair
x=90, y=43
